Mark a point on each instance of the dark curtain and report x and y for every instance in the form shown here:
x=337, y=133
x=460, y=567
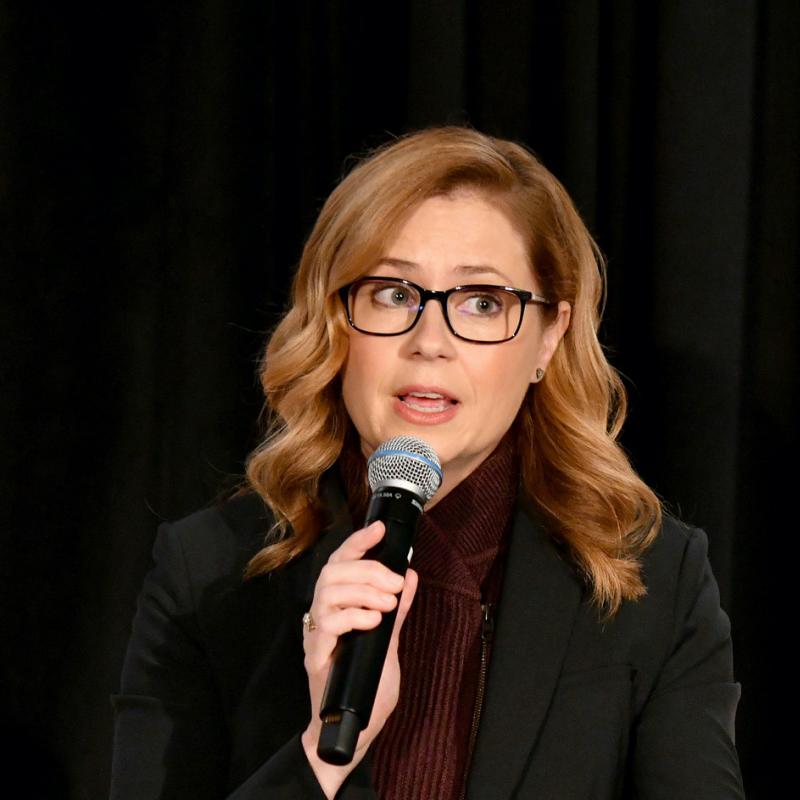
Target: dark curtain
x=162, y=164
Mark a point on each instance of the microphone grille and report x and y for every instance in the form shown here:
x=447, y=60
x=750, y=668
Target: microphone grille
x=408, y=459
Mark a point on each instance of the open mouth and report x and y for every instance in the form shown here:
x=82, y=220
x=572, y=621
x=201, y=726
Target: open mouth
x=427, y=402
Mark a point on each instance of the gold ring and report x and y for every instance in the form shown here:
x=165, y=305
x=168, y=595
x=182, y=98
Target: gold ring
x=308, y=621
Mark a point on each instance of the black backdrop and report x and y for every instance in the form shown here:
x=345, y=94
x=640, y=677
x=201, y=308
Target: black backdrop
x=161, y=166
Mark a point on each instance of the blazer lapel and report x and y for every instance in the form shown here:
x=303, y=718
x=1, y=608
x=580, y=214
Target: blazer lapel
x=540, y=598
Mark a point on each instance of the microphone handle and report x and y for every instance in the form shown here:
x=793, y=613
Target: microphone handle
x=359, y=655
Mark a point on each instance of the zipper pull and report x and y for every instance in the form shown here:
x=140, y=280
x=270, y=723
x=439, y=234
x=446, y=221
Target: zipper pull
x=487, y=622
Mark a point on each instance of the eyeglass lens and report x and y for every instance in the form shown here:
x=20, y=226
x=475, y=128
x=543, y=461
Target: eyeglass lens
x=483, y=313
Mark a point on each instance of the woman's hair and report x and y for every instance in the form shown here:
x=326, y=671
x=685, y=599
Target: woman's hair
x=572, y=467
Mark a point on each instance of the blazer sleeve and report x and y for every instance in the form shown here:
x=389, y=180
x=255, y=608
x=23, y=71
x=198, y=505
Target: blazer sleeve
x=685, y=736
x=170, y=735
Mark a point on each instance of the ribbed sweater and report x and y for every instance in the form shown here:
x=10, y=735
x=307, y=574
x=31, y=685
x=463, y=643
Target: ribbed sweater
x=422, y=751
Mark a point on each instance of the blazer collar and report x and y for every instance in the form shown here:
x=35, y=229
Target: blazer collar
x=539, y=602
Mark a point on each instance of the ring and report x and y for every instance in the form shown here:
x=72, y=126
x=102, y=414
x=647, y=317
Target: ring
x=308, y=621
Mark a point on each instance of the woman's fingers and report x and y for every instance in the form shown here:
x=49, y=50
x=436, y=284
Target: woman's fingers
x=366, y=572
x=357, y=544
x=349, y=619
x=332, y=621
x=360, y=595
x=352, y=594
x=320, y=643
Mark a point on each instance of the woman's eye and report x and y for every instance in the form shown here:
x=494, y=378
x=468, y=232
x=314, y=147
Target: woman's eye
x=391, y=296
x=481, y=305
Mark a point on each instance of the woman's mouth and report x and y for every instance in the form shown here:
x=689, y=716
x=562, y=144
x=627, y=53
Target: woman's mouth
x=425, y=407
x=430, y=402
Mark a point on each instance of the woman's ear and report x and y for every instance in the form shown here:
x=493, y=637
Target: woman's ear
x=551, y=336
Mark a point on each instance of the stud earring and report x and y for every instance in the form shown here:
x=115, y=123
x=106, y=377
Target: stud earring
x=539, y=373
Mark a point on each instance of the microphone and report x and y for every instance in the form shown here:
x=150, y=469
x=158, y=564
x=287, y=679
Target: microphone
x=404, y=473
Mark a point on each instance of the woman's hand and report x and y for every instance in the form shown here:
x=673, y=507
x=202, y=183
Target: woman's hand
x=351, y=594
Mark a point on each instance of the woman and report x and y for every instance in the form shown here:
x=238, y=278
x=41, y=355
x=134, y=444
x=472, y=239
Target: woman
x=558, y=636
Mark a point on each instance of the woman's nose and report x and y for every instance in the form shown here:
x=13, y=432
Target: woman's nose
x=431, y=337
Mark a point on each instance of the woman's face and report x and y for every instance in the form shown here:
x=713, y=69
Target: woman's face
x=477, y=388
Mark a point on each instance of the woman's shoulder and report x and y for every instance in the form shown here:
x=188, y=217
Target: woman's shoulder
x=680, y=589
x=239, y=518
x=218, y=539
x=677, y=548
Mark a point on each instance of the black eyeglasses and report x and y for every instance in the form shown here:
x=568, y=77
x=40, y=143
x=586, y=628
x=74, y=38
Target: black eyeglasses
x=479, y=313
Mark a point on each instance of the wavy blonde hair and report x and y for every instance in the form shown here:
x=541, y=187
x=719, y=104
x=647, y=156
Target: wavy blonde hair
x=572, y=467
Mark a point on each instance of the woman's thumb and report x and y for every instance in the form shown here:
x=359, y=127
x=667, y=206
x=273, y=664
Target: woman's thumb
x=406, y=598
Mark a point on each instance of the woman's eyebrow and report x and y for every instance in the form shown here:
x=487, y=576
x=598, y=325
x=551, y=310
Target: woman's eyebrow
x=465, y=269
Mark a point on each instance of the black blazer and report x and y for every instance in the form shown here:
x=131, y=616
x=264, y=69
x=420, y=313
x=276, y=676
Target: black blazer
x=214, y=695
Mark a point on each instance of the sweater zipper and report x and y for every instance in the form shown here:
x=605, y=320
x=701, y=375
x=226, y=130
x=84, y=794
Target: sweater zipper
x=487, y=632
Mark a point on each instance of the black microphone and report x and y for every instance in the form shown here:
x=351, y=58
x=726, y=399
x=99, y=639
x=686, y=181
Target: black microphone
x=404, y=473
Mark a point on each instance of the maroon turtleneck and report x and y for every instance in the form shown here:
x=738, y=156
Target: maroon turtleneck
x=423, y=749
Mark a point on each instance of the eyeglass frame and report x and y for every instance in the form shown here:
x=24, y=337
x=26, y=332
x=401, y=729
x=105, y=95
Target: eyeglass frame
x=443, y=295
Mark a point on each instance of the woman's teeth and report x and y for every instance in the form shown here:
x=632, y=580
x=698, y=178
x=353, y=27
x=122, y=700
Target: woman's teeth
x=429, y=402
